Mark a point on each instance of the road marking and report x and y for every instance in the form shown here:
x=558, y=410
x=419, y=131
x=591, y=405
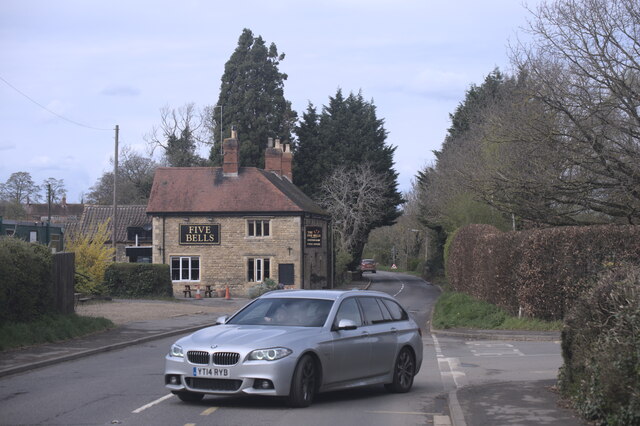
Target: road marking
x=412, y=413
x=151, y=404
x=208, y=411
x=454, y=406
x=493, y=349
x=441, y=421
x=401, y=288
x=189, y=424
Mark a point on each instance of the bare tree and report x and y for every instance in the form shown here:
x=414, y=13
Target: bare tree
x=20, y=189
x=583, y=71
x=135, y=178
x=353, y=197
x=179, y=134
x=54, y=188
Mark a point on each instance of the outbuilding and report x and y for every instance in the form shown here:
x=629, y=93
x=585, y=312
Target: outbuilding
x=236, y=227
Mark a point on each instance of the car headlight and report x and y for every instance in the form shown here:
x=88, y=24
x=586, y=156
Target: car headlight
x=176, y=350
x=270, y=354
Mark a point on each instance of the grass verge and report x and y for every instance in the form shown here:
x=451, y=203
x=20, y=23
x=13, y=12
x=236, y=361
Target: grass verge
x=458, y=310
x=50, y=328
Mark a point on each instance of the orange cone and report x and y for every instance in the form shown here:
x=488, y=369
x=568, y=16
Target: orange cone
x=198, y=296
x=227, y=295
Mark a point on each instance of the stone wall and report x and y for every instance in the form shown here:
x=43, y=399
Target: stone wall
x=225, y=264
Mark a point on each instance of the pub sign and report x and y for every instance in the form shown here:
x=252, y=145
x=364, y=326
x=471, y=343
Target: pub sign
x=313, y=236
x=200, y=234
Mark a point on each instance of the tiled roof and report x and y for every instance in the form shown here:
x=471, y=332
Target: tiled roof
x=94, y=215
x=58, y=210
x=206, y=190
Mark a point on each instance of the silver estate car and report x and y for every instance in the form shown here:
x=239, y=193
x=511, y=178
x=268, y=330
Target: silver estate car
x=298, y=343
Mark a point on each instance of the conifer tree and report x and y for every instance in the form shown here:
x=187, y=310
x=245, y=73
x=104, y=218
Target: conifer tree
x=347, y=135
x=252, y=99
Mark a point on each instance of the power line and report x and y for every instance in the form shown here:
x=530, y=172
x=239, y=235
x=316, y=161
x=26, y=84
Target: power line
x=47, y=109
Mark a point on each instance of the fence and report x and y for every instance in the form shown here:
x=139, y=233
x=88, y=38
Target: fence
x=63, y=276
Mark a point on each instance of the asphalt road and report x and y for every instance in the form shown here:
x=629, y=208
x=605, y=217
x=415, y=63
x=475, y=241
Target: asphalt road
x=126, y=386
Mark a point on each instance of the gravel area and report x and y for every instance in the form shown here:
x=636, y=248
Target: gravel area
x=125, y=311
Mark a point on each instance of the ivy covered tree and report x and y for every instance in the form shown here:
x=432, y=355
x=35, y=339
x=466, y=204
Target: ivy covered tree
x=346, y=135
x=252, y=99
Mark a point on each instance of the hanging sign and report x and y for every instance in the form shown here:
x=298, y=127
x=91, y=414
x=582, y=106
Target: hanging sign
x=313, y=236
x=200, y=234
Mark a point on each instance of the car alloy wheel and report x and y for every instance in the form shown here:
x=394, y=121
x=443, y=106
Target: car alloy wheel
x=303, y=384
x=403, y=372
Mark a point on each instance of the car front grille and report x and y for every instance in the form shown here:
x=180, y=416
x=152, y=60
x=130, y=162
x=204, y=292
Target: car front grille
x=213, y=384
x=225, y=358
x=198, y=357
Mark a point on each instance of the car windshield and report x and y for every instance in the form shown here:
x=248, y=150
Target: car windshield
x=284, y=312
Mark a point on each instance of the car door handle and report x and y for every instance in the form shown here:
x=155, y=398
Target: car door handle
x=364, y=333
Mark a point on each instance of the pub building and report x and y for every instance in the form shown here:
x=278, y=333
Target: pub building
x=239, y=226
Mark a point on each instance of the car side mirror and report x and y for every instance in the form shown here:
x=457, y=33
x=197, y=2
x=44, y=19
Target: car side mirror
x=347, y=324
x=221, y=320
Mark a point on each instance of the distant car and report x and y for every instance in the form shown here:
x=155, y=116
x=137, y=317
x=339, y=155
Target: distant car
x=298, y=343
x=368, y=265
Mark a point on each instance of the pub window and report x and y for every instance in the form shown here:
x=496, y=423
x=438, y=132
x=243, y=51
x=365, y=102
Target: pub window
x=258, y=228
x=258, y=269
x=185, y=268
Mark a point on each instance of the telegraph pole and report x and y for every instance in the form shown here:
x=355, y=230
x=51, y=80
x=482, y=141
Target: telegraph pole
x=115, y=191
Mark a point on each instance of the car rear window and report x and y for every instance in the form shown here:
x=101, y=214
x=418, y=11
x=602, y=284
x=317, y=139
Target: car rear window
x=372, y=312
x=397, y=313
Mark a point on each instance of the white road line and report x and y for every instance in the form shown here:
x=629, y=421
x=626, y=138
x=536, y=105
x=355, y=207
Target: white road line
x=151, y=404
x=401, y=288
x=454, y=406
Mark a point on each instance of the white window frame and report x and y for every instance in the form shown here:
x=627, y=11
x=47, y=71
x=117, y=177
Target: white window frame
x=190, y=269
x=257, y=226
x=256, y=270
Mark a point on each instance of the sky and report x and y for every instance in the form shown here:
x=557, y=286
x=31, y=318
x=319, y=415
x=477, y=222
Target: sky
x=70, y=71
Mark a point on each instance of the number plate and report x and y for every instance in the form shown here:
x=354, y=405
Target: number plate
x=210, y=372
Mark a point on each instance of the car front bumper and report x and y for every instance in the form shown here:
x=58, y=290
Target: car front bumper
x=246, y=377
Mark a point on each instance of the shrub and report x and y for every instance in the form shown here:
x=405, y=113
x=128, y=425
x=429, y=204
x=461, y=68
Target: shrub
x=92, y=259
x=26, y=289
x=262, y=288
x=138, y=280
x=343, y=259
x=601, y=350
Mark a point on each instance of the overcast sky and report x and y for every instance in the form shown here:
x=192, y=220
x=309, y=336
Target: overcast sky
x=101, y=63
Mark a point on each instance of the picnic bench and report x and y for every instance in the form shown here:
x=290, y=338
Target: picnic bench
x=187, y=290
x=208, y=292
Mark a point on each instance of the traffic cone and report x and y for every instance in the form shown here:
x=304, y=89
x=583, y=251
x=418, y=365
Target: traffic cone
x=227, y=295
x=198, y=296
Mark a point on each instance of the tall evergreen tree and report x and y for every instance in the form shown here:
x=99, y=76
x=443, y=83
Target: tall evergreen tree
x=252, y=99
x=346, y=134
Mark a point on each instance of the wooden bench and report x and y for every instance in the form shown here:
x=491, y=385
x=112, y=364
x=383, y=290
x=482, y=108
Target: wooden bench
x=208, y=292
x=187, y=290
x=80, y=298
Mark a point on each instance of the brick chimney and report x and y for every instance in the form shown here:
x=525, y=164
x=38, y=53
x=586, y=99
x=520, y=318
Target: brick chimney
x=287, y=162
x=230, y=147
x=273, y=157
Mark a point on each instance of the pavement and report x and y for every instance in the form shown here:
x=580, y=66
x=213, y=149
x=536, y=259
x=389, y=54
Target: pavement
x=502, y=403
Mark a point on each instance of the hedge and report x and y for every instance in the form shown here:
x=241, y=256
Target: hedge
x=26, y=289
x=540, y=272
x=601, y=350
x=138, y=280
